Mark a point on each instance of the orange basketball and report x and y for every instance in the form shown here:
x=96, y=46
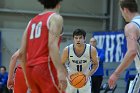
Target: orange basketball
x=78, y=80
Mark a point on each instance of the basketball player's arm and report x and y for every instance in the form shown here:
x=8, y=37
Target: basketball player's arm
x=56, y=23
x=22, y=54
x=10, y=82
x=64, y=56
x=131, y=33
x=94, y=60
x=55, y=28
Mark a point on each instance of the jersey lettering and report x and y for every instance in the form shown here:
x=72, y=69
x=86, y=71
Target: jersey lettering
x=79, y=61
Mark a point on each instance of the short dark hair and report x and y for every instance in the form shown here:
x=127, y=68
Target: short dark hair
x=3, y=67
x=78, y=32
x=49, y=4
x=129, y=4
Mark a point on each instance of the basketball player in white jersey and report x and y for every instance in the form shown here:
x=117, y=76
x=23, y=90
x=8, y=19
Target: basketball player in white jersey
x=129, y=10
x=80, y=56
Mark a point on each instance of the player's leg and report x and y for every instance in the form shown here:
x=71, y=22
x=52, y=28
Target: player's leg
x=135, y=85
x=43, y=78
x=19, y=83
x=86, y=88
x=96, y=83
x=30, y=76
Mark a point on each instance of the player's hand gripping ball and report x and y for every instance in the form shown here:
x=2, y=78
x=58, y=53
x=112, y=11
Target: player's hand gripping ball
x=78, y=80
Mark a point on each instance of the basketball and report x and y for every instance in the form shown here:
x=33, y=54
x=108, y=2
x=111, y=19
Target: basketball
x=78, y=80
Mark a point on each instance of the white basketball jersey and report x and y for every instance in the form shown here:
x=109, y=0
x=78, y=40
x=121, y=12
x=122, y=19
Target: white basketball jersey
x=77, y=63
x=136, y=21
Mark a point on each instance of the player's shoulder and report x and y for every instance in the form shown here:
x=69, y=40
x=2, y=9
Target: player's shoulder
x=68, y=47
x=88, y=45
x=93, y=49
x=65, y=50
x=57, y=17
x=130, y=27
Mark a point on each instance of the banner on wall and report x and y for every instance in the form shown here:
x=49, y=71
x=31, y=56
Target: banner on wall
x=114, y=44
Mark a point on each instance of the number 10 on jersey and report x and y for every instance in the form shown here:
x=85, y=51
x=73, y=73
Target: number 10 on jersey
x=36, y=30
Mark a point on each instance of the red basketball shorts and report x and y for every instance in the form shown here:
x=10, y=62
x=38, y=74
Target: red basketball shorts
x=40, y=80
x=19, y=83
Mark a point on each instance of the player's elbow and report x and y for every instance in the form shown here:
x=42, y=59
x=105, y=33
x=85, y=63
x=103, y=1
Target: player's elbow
x=14, y=57
x=51, y=47
x=133, y=52
x=96, y=64
x=21, y=56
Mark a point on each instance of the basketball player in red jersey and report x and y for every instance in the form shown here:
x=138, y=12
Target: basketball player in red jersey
x=16, y=82
x=39, y=51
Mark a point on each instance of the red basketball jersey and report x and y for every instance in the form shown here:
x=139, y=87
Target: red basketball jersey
x=37, y=39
